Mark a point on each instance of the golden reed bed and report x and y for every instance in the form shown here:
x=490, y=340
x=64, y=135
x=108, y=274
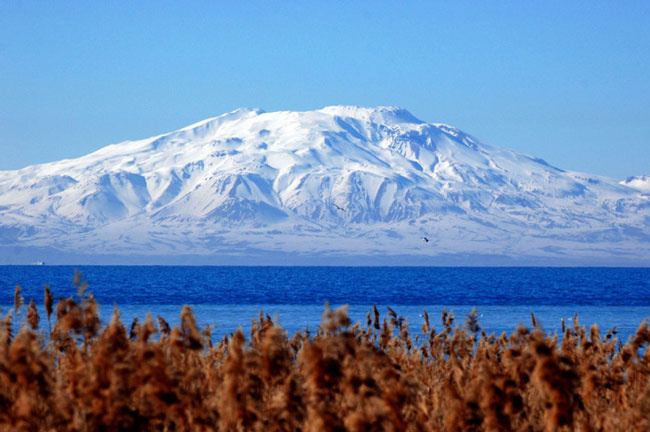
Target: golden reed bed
x=372, y=377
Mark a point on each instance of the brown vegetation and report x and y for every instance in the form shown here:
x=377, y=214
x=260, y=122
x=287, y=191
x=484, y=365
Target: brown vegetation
x=371, y=377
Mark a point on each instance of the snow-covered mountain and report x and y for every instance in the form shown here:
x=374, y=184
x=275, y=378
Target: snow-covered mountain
x=640, y=183
x=337, y=182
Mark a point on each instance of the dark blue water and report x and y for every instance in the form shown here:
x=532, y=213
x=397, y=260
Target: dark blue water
x=351, y=285
x=229, y=297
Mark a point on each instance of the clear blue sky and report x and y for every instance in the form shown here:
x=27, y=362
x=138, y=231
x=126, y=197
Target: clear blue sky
x=565, y=81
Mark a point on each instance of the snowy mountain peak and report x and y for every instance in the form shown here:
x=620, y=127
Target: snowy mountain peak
x=339, y=181
x=386, y=115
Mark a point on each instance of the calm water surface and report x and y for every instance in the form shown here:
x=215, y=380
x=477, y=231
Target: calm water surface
x=229, y=297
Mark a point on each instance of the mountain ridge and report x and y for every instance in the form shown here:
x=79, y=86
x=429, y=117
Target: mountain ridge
x=342, y=180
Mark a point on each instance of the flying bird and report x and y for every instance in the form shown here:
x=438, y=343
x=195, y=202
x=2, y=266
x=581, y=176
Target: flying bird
x=339, y=208
x=426, y=240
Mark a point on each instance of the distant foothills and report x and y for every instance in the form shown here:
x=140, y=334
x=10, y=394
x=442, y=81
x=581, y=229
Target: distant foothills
x=342, y=185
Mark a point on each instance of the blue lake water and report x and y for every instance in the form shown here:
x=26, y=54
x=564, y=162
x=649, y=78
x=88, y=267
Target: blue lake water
x=229, y=297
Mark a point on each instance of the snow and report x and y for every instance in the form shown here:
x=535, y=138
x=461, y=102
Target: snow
x=340, y=180
x=640, y=183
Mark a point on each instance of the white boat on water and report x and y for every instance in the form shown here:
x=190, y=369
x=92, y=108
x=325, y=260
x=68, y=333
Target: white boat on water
x=38, y=263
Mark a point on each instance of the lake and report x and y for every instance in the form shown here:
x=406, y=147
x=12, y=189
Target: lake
x=228, y=297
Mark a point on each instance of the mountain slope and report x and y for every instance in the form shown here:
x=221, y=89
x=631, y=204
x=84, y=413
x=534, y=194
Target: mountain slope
x=339, y=181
